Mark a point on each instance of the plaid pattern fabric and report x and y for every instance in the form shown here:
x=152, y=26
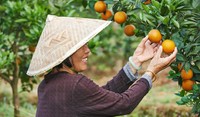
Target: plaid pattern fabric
x=66, y=95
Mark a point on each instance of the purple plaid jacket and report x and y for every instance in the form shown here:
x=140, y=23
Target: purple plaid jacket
x=66, y=95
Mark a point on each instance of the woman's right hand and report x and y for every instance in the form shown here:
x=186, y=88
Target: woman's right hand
x=159, y=63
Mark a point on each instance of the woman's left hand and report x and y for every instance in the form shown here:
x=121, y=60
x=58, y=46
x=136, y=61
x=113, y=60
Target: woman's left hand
x=145, y=51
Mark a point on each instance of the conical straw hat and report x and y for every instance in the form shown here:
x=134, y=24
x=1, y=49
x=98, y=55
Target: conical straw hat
x=61, y=37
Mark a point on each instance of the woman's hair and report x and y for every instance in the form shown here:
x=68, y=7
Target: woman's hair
x=66, y=62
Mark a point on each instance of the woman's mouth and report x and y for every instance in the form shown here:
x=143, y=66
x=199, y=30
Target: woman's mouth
x=85, y=60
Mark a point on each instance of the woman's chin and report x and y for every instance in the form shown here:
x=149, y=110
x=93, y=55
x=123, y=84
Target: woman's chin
x=83, y=69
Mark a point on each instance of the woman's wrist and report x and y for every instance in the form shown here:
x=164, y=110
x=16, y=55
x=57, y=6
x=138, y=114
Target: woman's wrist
x=136, y=65
x=149, y=68
x=150, y=74
x=136, y=61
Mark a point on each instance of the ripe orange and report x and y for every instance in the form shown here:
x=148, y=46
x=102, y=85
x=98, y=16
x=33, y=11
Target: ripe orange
x=155, y=36
x=129, y=30
x=147, y=2
x=187, y=84
x=186, y=75
x=106, y=15
x=120, y=17
x=168, y=46
x=31, y=48
x=100, y=6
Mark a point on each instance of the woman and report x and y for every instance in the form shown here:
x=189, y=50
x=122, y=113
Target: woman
x=66, y=93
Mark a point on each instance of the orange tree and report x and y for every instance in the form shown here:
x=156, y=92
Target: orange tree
x=21, y=24
x=177, y=20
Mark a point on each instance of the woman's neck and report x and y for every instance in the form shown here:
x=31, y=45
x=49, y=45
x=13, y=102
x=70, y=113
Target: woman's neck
x=67, y=69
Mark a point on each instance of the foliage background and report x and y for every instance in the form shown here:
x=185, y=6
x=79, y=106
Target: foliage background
x=21, y=23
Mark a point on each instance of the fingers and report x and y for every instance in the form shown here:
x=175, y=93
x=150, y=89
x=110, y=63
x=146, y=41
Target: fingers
x=172, y=57
x=159, y=52
x=154, y=45
x=155, y=49
x=148, y=42
x=142, y=43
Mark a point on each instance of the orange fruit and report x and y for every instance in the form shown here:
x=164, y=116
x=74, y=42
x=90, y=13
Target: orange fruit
x=147, y=2
x=31, y=48
x=129, y=30
x=155, y=36
x=179, y=66
x=186, y=75
x=100, y=6
x=106, y=15
x=120, y=17
x=168, y=46
x=187, y=84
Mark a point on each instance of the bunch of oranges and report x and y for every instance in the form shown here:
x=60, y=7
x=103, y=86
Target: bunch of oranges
x=120, y=17
x=168, y=47
x=187, y=82
x=101, y=7
x=155, y=37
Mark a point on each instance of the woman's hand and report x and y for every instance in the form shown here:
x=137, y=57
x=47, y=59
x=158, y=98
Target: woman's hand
x=160, y=62
x=145, y=51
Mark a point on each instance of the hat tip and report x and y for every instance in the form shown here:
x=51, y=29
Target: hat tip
x=50, y=17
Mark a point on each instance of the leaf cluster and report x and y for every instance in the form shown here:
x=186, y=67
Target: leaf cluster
x=21, y=24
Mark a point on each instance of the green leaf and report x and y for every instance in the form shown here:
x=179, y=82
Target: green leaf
x=156, y=4
x=182, y=93
x=84, y=3
x=195, y=87
x=194, y=51
x=166, y=20
x=151, y=23
x=175, y=23
x=172, y=7
x=91, y=4
x=198, y=64
x=161, y=18
x=180, y=7
x=2, y=8
x=150, y=17
x=188, y=23
x=180, y=102
x=146, y=8
x=185, y=99
x=188, y=48
x=195, y=69
x=20, y=20
x=180, y=57
x=195, y=3
x=187, y=66
x=164, y=10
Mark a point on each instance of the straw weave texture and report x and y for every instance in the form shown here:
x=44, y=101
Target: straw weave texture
x=60, y=38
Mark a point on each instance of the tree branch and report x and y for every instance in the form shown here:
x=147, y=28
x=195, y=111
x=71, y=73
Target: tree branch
x=5, y=78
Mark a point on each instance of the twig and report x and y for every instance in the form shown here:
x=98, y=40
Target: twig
x=5, y=78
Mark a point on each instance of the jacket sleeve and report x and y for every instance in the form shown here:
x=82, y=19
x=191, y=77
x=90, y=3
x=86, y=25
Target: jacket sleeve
x=90, y=99
x=119, y=83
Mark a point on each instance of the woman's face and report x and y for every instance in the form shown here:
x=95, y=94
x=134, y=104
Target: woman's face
x=79, y=58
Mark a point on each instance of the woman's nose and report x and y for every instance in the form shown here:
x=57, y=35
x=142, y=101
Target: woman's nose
x=87, y=49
